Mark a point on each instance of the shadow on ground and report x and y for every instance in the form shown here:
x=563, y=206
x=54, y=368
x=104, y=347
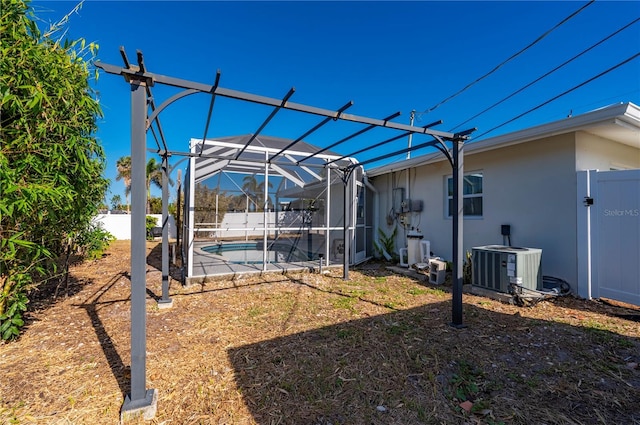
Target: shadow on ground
x=411, y=367
x=53, y=290
x=154, y=259
x=92, y=306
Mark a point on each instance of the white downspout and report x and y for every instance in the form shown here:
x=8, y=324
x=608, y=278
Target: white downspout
x=265, y=212
x=376, y=217
x=589, y=237
x=327, y=209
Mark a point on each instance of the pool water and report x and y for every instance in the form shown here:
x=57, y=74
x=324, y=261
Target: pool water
x=251, y=252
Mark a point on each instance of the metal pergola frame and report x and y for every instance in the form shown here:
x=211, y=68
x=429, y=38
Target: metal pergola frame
x=145, y=117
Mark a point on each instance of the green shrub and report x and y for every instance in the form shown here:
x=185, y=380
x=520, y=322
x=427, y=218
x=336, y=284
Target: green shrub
x=151, y=223
x=51, y=164
x=466, y=269
x=387, y=244
x=93, y=241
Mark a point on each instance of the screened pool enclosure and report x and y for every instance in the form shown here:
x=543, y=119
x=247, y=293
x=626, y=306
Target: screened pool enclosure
x=258, y=203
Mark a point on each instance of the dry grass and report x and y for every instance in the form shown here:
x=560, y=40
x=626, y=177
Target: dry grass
x=311, y=349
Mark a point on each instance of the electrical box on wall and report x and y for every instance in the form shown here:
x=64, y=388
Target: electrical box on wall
x=398, y=198
x=406, y=205
x=404, y=220
x=416, y=206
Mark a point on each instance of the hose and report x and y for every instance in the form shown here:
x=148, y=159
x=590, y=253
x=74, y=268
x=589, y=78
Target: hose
x=552, y=287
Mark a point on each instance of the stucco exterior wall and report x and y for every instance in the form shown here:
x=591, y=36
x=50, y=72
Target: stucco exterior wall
x=530, y=186
x=597, y=153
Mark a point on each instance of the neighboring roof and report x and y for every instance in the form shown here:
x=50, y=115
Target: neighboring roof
x=301, y=163
x=619, y=122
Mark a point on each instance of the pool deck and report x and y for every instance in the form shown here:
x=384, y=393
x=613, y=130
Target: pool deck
x=207, y=266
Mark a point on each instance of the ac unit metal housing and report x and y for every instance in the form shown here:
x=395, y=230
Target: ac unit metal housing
x=498, y=267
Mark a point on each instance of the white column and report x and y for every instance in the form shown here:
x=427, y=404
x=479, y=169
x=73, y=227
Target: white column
x=265, y=212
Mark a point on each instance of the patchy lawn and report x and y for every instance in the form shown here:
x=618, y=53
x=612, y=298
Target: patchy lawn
x=318, y=350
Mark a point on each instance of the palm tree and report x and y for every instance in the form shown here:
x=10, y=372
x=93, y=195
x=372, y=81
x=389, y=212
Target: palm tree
x=123, y=166
x=153, y=172
x=154, y=175
x=261, y=195
x=250, y=188
x=255, y=191
x=116, y=202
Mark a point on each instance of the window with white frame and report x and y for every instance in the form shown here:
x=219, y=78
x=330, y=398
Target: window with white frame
x=472, y=195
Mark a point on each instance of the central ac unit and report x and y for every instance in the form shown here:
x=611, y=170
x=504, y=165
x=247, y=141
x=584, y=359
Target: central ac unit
x=498, y=267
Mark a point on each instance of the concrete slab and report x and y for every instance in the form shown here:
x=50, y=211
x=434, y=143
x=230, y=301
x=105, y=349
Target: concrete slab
x=470, y=289
x=207, y=265
x=423, y=277
x=494, y=295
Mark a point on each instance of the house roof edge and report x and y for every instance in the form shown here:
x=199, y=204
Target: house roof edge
x=627, y=112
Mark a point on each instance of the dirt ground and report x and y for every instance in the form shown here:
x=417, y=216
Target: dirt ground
x=311, y=349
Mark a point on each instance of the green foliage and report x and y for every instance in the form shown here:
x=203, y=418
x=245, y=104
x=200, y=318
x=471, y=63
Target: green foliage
x=116, y=202
x=93, y=241
x=155, y=205
x=205, y=204
x=154, y=175
x=465, y=382
x=153, y=171
x=466, y=268
x=11, y=319
x=51, y=165
x=150, y=224
x=255, y=191
x=387, y=243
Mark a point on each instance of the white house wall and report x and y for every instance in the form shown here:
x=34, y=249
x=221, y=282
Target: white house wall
x=596, y=153
x=529, y=186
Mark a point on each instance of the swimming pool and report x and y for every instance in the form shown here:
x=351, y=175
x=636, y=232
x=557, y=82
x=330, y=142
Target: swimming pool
x=251, y=252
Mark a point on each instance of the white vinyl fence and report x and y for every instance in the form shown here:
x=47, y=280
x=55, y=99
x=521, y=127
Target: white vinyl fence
x=609, y=235
x=119, y=225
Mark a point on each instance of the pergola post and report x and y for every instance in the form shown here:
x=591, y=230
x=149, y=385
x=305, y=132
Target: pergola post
x=165, y=301
x=140, y=401
x=458, y=220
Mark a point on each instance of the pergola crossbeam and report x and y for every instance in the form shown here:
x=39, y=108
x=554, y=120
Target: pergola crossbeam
x=269, y=118
x=357, y=133
x=239, y=95
x=296, y=179
x=384, y=142
x=315, y=128
x=398, y=152
x=223, y=157
x=305, y=168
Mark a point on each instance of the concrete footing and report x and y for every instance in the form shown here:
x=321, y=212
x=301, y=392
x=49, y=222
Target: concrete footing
x=145, y=408
x=165, y=304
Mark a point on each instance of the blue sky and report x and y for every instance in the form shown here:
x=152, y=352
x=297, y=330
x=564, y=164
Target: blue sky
x=385, y=56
